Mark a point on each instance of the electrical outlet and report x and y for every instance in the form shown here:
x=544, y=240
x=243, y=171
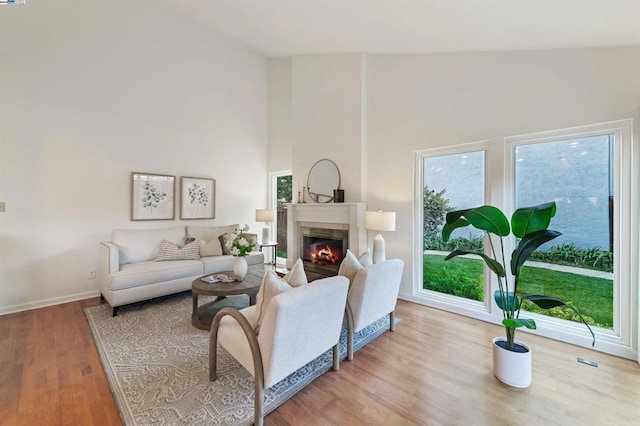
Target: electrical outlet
x=3, y=207
x=92, y=274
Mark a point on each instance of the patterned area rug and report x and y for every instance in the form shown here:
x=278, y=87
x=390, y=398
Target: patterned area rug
x=157, y=366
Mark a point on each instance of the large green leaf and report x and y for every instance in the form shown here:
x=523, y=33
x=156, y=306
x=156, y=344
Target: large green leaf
x=547, y=302
x=494, y=265
x=489, y=219
x=506, y=301
x=519, y=322
x=530, y=219
x=450, y=227
x=528, y=245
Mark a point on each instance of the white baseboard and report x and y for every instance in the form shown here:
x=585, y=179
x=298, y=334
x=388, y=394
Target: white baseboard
x=48, y=302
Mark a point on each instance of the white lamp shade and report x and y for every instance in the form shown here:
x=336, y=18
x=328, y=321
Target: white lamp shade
x=380, y=221
x=265, y=215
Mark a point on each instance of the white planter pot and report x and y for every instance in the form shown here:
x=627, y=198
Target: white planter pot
x=240, y=268
x=512, y=368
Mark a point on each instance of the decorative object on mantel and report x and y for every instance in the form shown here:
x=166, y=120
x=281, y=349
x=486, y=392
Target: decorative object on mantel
x=379, y=221
x=240, y=245
x=511, y=358
x=338, y=195
x=197, y=198
x=267, y=216
x=152, y=196
x=323, y=178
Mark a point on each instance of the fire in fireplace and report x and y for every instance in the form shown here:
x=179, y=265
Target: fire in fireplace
x=323, y=249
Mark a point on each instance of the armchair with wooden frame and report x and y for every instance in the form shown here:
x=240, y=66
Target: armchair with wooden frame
x=297, y=326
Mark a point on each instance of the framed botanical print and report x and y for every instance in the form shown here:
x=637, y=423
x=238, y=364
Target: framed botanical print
x=152, y=196
x=197, y=198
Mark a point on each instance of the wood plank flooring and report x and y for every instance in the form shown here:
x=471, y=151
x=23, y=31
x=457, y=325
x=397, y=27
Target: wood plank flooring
x=434, y=370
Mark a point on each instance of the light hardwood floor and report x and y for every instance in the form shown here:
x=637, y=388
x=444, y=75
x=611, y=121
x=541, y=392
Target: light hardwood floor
x=434, y=370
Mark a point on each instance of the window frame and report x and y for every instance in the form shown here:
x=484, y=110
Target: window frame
x=431, y=298
x=621, y=340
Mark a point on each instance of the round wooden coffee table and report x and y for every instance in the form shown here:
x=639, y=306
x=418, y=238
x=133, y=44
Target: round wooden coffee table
x=202, y=316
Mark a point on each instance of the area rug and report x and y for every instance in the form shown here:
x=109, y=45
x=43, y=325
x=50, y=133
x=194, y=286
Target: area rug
x=157, y=366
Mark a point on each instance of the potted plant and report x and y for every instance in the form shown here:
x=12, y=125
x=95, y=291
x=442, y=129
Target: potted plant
x=529, y=225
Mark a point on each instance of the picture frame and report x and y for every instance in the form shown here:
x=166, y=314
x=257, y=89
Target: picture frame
x=152, y=196
x=197, y=198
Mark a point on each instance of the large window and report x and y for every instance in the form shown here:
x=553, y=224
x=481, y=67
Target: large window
x=591, y=172
x=452, y=181
x=577, y=174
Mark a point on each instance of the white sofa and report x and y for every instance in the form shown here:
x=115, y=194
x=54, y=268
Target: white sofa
x=128, y=273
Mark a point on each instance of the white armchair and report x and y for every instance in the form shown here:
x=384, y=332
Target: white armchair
x=297, y=326
x=373, y=293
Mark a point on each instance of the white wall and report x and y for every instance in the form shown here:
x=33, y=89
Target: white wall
x=91, y=91
x=423, y=101
x=327, y=116
x=279, y=112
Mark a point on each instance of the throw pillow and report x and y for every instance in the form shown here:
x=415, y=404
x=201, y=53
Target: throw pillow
x=365, y=258
x=351, y=265
x=226, y=241
x=210, y=248
x=171, y=251
x=296, y=276
x=271, y=286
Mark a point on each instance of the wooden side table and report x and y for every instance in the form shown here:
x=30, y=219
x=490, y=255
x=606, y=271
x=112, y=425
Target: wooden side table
x=202, y=315
x=274, y=252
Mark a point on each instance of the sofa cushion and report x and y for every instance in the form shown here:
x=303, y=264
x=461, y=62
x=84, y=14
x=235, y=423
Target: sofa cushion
x=170, y=251
x=208, y=233
x=139, y=245
x=142, y=273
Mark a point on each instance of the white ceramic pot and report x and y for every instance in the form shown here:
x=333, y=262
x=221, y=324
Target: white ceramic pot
x=240, y=268
x=512, y=368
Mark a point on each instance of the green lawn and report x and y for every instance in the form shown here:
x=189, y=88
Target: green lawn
x=464, y=277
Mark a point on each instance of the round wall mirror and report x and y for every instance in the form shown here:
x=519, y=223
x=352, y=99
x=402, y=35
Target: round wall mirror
x=323, y=178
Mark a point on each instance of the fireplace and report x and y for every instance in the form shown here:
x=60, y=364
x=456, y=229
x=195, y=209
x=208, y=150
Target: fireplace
x=347, y=219
x=323, y=249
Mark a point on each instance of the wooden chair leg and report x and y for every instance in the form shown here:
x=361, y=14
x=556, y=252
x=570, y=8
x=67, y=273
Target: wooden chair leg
x=258, y=417
x=392, y=321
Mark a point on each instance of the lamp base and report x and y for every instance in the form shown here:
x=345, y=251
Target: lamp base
x=378, y=249
x=265, y=235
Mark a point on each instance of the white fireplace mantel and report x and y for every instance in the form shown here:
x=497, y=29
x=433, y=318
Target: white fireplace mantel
x=324, y=216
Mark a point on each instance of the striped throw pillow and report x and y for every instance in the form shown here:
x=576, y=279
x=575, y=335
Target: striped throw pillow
x=171, y=251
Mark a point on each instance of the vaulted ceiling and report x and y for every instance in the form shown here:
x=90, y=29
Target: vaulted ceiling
x=288, y=27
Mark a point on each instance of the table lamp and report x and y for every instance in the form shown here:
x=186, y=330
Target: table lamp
x=379, y=221
x=267, y=216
